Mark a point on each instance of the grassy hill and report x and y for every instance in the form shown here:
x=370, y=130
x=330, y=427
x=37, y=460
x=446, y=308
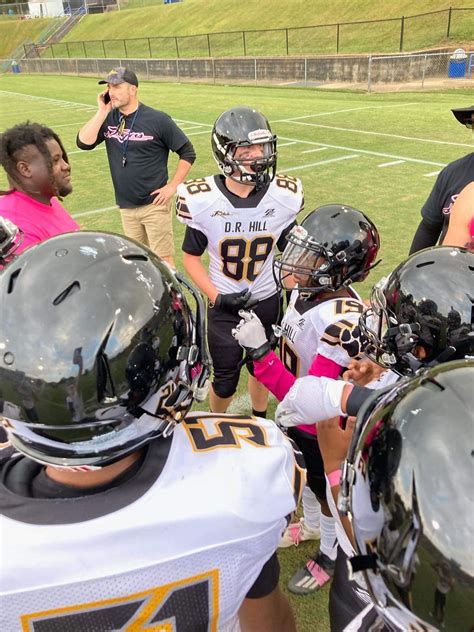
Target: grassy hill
x=14, y=32
x=213, y=16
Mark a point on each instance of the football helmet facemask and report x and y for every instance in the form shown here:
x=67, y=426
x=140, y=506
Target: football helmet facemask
x=401, y=483
x=334, y=246
x=10, y=239
x=244, y=127
x=427, y=302
x=100, y=350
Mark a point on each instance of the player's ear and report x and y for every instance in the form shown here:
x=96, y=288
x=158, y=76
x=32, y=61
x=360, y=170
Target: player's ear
x=23, y=168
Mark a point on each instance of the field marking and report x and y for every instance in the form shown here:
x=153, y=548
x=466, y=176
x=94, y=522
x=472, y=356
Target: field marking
x=430, y=175
x=368, y=152
x=178, y=120
x=370, y=133
x=362, y=107
x=69, y=124
x=187, y=128
x=320, y=162
x=292, y=142
x=85, y=151
x=390, y=164
x=37, y=98
x=97, y=210
x=310, y=151
x=206, y=131
x=351, y=149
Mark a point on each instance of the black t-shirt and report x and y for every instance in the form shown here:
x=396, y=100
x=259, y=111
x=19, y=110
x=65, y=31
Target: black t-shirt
x=27, y=480
x=147, y=137
x=449, y=184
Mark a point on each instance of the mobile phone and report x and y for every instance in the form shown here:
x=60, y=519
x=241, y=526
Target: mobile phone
x=107, y=97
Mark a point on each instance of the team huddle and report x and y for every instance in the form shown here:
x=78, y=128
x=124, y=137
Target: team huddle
x=123, y=509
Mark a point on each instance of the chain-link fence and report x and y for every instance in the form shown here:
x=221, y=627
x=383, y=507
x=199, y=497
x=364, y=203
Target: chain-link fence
x=392, y=34
x=373, y=73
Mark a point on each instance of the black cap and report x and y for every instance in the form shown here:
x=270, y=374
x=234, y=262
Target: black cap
x=464, y=115
x=120, y=75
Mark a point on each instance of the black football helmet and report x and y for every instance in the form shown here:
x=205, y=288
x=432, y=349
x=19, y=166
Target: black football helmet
x=334, y=246
x=241, y=127
x=408, y=482
x=10, y=239
x=99, y=350
x=428, y=302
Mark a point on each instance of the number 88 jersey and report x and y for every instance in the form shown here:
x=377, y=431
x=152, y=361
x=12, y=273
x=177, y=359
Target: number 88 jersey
x=240, y=234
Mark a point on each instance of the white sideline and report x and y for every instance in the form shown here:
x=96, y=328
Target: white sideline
x=363, y=107
x=310, y=151
x=368, y=152
x=37, y=98
x=390, y=164
x=97, y=210
x=320, y=162
x=399, y=136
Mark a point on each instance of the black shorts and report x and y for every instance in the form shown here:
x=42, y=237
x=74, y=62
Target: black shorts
x=226, y=353
x=308, y=444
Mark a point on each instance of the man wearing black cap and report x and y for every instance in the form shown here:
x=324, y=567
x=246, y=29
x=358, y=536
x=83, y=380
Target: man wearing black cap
x=449, y=184
x=138, y=140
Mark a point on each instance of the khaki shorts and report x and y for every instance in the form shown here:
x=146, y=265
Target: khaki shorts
x=151, y=225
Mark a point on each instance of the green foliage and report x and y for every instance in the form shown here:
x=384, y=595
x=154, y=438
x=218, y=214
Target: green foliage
x=194, y=17
x=13, y=32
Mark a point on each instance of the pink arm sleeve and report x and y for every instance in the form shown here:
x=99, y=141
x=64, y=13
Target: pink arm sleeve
x=272, y=373
x=324, y=367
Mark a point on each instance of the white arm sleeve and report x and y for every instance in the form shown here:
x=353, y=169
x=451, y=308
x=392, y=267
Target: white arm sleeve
x=310, y=400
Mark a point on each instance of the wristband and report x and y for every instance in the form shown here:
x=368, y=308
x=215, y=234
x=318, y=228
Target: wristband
x=334, y=478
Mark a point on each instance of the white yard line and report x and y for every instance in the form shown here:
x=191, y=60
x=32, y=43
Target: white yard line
x=391, y=164
x=97, y=210
x=206, y=131
x=36, y=98
x=78, y=123
x=370, y=133
x=321, y=162
x=310, y=151
x=187, y=128
x=366, y=151
x=363, y=107
x=85, y=151
x=293, y=142
x=430, y=175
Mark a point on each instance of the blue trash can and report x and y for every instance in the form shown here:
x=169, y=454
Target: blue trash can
x=457, y=64
x=15, y=67
x=456, y=69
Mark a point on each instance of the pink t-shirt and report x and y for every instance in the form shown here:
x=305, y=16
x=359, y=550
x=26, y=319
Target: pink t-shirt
x=37, y=221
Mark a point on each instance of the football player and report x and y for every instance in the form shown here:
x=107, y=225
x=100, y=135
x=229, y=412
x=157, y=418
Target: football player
x=335, y=246
x=408, y=479
x=240, y=217
x=120, y=510
x=422, y=315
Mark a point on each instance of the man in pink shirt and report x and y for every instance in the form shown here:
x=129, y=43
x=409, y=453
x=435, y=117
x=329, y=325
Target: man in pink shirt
x=38, y=173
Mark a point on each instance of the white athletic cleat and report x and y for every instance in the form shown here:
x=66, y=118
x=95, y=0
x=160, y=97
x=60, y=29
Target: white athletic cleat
x=298, y=532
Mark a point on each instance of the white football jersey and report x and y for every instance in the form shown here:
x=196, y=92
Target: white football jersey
x=182, y=541
x=241, y=232
x=326, y=328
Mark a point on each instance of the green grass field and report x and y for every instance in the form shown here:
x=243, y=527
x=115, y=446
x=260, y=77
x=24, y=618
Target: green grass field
x=377, y=152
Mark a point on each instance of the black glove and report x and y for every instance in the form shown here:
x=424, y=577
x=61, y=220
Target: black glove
x=235, y=301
